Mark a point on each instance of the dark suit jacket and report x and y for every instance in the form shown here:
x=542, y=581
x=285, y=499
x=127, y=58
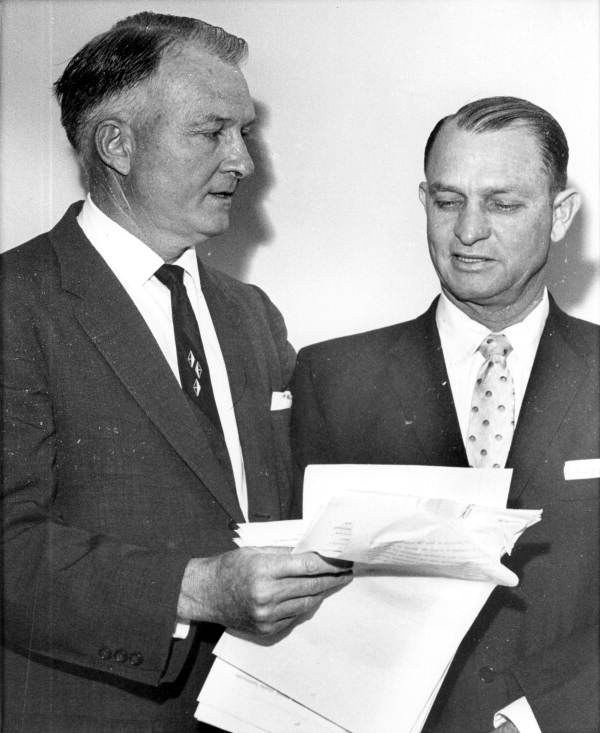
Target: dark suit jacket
x=384, y=397
x=112, y=481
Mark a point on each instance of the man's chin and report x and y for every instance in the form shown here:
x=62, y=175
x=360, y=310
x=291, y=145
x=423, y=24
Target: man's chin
x=213, y=228
x=482, y=297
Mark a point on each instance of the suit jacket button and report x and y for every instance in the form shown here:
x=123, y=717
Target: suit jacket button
x=232, y=525
x=121, y=656
x=135, y=659
x=487, y=674
x=104, y=653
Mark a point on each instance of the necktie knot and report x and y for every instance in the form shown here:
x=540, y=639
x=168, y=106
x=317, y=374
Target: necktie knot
x=171, y=276
x=495, y=347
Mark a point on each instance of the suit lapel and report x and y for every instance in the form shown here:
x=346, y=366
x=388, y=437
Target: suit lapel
x=423, y=387
x=418, y=375
x=226, y=317
x=121, y=335
x=555, y=379
x=252, y=411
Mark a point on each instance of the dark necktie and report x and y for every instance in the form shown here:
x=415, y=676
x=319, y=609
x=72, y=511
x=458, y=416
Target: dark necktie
x=191, y=359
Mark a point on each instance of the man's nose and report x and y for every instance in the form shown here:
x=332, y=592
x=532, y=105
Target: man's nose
x=238, y=160
x=472, y=225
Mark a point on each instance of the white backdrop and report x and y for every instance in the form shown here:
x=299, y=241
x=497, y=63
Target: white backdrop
x=347, y=92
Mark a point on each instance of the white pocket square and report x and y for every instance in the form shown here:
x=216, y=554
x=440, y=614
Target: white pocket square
x=584, y=468
x=281, y=400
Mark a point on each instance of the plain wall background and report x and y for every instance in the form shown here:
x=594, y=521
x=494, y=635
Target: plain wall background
x=347, y=92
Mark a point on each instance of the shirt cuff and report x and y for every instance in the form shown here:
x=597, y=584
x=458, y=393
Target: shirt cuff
x=181, y=629
x=520, y=714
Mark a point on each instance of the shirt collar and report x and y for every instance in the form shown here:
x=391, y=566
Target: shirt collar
x=526, y=334
x=189, y=261
x=132, y=261
x=461, y=335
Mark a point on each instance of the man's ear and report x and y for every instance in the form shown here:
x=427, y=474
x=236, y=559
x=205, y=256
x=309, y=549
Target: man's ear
x=565, y=206
x=113, y=140
x=423, y=192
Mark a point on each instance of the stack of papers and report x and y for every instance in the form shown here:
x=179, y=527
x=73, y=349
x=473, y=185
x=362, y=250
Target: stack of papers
x=426, y=542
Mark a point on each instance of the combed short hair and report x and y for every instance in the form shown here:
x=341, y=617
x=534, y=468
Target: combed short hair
x=497, y=113
x=119, y=59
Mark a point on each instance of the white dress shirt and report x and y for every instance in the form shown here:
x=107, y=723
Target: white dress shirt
x=134, y=265
x=461, y=337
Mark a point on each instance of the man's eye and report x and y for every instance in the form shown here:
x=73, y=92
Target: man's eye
x=211, y=134
x=448, y=203
x=505, y=206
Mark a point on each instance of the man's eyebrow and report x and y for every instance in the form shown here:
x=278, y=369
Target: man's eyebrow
x=211, y=118
x=218, y=119
x=436, y=187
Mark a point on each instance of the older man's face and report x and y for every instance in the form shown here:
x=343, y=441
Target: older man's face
x=189, y=153
x=489, y=215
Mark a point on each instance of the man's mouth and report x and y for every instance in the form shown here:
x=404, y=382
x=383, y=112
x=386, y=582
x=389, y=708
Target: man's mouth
x=470, y=259
x=225, y=193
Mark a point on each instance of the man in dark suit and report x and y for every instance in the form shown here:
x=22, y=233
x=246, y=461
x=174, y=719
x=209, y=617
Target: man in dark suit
x=144, y=403
x=437, y=391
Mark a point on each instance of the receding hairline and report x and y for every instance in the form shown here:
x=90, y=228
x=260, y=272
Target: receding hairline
x=189, y=47
x=132, y=104
x=482, y=129
x=501, y=112
x=111, y=68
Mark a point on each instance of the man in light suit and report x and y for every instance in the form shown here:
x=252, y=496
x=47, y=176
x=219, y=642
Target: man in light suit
x=429, y=392
x=144, y=400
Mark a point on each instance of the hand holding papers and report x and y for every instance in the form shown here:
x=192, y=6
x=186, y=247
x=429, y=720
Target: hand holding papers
x=258, y=590
x=373, y=655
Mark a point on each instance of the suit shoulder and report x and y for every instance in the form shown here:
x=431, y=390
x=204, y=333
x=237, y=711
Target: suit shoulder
x=370, y=342
x=251, y=298
x=30, y=266
x=234, y=287
x=586, y=328
x=32, y=253
x=222, y=278
x=583, y=336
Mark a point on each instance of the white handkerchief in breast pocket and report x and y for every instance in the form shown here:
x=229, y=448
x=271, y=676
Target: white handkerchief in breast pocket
x=281, y=400
x=582, y=469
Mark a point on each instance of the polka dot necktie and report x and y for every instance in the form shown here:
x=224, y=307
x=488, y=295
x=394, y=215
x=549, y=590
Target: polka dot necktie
x=191, y=359
x=492, y=415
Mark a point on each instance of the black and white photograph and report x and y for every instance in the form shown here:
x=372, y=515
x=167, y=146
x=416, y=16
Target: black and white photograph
x=300, y=306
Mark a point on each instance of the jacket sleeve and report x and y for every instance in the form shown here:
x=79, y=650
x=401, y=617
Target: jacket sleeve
x=81, y=597
x=311, y=442
x=562, y=683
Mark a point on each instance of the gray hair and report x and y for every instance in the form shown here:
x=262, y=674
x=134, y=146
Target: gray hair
x=115, y=62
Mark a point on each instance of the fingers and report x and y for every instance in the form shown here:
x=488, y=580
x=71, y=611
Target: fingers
x=287, y=589
x=281, y=588
x=271, y=549
x=313, y=586
x=309, y=563
x=338, y=563
x=273, y=616
x=305, y=563
x=262, y=590
x=265, y=587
